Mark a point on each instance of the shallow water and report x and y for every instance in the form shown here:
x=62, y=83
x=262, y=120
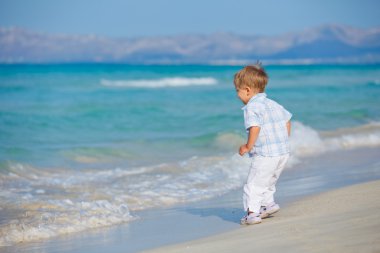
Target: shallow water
x=162, y=226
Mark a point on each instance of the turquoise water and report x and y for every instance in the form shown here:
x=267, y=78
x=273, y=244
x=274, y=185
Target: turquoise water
x=52, y=114
x=83, y=146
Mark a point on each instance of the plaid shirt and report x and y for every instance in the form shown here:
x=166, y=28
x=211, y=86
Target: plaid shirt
x=271, y=117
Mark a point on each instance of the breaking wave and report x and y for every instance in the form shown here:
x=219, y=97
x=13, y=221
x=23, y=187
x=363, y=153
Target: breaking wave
x=160, y=83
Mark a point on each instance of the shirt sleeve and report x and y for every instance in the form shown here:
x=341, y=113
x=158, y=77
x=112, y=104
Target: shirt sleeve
x=253, y=118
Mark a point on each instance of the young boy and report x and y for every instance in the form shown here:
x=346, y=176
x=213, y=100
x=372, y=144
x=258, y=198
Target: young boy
x=268, y=126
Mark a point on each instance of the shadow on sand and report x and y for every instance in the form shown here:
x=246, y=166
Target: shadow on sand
x=227, y=214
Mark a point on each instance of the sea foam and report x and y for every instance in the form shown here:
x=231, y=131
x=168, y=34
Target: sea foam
x=160, y=83
x=55, y=202
x=307, y=141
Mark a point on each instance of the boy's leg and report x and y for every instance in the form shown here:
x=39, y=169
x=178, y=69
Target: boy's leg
x=268, y=198
x=261, y=172
x=248, y=187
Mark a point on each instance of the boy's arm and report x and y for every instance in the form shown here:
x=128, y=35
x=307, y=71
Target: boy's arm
x=252, y=136
x=288, y=126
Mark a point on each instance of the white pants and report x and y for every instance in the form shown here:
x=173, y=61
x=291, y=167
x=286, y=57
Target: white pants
x=261, y=183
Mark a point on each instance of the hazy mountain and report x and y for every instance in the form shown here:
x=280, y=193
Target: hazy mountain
x=329, y=43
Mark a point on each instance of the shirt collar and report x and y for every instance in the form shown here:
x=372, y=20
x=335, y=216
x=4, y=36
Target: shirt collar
x=258, y=95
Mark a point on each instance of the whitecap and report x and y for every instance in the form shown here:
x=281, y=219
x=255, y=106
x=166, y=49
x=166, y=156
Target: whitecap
x=160, y=83
x=306, y=141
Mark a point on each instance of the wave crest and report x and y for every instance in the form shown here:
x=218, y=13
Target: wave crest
x=307, y=141
x=160, y=83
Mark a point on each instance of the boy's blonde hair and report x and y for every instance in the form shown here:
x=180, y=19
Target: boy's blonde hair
x=253, y=76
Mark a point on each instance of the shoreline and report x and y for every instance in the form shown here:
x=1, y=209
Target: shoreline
x=164, y=226
x=333, y=221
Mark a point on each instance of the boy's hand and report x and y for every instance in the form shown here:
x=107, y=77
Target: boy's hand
x=252, y=136
x=243, y=149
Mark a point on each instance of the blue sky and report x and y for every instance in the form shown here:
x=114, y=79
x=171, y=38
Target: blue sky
x=131, y=18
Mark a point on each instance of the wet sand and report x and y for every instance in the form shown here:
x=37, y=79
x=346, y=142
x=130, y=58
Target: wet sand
x=343, y=220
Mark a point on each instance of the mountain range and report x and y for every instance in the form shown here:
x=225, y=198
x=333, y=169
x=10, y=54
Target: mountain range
x=324, y=44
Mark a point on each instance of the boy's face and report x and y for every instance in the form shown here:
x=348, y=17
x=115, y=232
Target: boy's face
x=244, y=94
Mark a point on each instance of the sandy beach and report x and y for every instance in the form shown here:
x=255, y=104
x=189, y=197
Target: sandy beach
x=342, y=220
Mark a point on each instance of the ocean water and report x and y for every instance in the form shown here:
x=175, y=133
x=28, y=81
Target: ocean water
x=84, y=146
